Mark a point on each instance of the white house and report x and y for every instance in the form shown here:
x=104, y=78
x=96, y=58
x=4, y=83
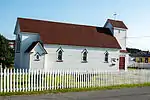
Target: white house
x=55, y=45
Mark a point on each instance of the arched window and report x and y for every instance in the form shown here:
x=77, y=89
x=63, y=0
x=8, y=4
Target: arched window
x=37, y=57
x=59, y=55
x=106, y=57
x=84, y=56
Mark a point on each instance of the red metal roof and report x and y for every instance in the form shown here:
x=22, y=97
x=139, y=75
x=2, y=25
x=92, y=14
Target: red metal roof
x=117, y=23
x=69, y=34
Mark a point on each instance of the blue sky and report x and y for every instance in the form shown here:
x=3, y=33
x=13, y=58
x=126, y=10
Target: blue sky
x=134, y=13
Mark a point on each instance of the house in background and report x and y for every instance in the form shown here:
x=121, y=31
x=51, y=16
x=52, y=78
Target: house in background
x=54, y=45
x=140, y=59
x=11, y=43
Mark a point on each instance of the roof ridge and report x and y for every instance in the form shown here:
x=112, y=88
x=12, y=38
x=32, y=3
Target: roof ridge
x=67, y=23
x=117, y=23
x=115, y=20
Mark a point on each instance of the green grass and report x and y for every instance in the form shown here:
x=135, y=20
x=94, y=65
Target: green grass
x=76, y=89
x=132, y=68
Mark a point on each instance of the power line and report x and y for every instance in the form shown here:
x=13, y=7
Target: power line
x=133, y=37
x=139, y=37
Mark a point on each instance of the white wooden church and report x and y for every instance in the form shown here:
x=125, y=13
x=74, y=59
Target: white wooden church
x=49, y=45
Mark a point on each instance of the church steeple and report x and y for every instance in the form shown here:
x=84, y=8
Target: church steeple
x=119, y=30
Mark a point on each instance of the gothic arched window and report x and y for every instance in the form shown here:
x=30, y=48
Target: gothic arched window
x=59, y=55
x=106, y=56
x=37, y=57
x=84, y=55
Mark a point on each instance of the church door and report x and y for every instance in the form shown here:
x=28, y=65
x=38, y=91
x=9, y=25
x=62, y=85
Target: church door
x=122, y=63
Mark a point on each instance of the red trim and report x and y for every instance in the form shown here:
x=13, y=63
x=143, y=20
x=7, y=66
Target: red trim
x=124, y=51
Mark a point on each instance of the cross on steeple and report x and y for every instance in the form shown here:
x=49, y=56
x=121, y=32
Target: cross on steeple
x=115, y=15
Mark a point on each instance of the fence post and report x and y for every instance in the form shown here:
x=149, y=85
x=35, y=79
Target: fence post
x=78, y=82
x=11, y=80
x=42, y=73
x=4, y=89
x=40, y=80
x=26, y=80
x=1, y=82
x=17, y=81
x=53, y=79
x=20, y=81
x=70, y=77
x=50, y=80
x=47, y=79
x=74, y=79
x=61, y=79
x=67, y=79
x=14, y=80
x=34, y=80
x=37, y=79
x=29, y=79
x=7, y=77
x=23, y=80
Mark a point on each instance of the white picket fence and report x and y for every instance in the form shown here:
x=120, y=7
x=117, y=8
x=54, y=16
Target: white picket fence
x=21, y=80
x=140, y=65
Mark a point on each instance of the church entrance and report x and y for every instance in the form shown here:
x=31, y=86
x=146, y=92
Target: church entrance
x=122, y=63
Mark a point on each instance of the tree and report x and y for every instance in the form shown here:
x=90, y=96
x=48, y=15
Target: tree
x=6, y=52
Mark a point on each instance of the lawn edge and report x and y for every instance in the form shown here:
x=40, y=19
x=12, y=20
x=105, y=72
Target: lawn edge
x=75, y=89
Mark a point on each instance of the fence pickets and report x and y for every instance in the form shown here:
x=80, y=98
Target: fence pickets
x=23, y=80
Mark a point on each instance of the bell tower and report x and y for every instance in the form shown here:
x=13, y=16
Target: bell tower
x=119, y=30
